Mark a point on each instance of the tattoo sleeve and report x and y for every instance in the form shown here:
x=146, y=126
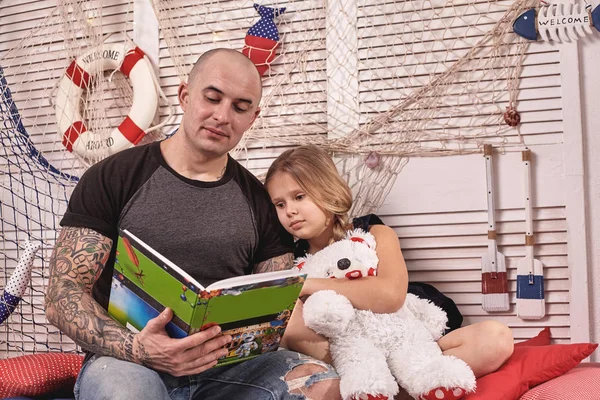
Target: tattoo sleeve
x=79, y=256
x=279, y=263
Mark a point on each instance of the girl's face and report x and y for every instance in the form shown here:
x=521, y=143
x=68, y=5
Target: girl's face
x=297, y=212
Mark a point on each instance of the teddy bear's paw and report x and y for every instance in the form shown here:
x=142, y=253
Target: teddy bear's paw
x=366, y=396
x=444, y=394
x=328, y=313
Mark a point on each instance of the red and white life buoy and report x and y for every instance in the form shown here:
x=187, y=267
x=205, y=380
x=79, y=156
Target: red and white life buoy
x=130, y=61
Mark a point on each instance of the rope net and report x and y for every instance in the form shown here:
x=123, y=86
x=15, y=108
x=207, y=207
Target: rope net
x=372, y=82
x=33, y=193
x=37, y=173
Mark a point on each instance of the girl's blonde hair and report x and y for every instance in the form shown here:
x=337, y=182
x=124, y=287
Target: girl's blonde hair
x=317, y=175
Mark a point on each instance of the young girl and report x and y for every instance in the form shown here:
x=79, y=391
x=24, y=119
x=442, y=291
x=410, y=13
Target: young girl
x=312, y=203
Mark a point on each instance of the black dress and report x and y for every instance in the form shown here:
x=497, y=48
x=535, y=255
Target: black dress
x=419, y=289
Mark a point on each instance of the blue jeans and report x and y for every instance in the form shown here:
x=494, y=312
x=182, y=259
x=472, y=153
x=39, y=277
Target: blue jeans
x=256, y=379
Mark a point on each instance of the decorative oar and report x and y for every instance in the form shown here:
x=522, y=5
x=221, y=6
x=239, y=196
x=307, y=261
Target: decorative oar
x=15, y=288
x=494, y=285
x=530, y=272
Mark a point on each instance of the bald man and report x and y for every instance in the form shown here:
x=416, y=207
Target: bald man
x=197, y=206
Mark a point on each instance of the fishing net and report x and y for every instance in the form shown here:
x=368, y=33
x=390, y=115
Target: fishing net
x=374, y=83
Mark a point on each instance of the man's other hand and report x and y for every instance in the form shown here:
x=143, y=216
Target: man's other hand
x=178, y=357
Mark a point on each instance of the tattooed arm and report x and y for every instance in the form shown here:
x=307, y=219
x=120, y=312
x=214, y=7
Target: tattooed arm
x=79, y=256
x=279, y=263
x=77, y=262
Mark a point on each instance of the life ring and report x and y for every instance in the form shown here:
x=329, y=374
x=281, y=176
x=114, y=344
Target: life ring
x=71, y=128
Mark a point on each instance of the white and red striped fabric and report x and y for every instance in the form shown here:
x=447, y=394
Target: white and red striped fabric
x=38, y=374
x=78, y=76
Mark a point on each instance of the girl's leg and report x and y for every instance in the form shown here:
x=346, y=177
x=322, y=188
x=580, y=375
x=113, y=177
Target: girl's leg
x=484, y=346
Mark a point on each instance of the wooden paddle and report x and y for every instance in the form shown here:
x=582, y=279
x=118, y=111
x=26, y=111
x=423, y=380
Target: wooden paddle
x=494, y=285
x=530, y=272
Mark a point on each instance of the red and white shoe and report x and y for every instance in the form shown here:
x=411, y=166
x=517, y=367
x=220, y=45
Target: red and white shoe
x=365, y=396
x=444, y=394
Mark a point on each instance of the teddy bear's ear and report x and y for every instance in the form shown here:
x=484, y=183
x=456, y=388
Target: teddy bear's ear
x=359, y=235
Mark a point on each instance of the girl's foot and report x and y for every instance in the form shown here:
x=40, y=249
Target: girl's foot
x=443, y=394
x=365, y=396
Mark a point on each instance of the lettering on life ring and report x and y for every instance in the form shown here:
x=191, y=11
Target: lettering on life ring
x=73, y=132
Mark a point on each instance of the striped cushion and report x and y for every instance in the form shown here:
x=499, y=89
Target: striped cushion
x=581, y=383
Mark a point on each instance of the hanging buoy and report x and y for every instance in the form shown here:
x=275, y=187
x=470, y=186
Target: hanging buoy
x=262, y=38
x=373, y=160
x=512, y=116
x=130, y=60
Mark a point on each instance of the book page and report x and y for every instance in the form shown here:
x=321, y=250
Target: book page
x=255, y=314
x=155, y=253
x=254, y=278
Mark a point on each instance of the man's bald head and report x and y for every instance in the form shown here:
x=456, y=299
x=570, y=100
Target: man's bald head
x=227, y=55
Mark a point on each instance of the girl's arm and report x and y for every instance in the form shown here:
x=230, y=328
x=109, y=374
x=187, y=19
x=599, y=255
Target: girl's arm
x=384, y=293
x=298, y=337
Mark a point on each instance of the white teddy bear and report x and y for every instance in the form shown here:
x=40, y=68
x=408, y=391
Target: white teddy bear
x=373, y=353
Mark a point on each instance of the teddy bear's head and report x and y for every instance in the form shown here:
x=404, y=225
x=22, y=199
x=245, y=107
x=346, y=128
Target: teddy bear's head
x=352, y=257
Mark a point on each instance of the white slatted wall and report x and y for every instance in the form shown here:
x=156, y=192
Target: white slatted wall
x=18, y=18
x=310, y=84
x=444, y=245
x=437, y=206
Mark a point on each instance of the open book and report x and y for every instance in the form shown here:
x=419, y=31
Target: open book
x=253, y=309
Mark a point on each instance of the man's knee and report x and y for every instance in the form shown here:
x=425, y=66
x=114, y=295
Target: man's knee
x=109, y=378
x=299, y=382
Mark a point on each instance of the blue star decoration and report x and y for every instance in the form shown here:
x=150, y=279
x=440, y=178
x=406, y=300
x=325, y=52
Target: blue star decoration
x=265, y=27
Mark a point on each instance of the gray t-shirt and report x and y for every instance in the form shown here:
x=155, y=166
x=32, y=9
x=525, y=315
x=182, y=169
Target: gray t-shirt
x=213, y=230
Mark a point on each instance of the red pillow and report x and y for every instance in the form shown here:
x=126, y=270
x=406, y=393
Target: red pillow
x=527, y=367
x=542, y=339
x=37, y=374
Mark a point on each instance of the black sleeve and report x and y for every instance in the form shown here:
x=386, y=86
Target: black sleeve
x=92, y=204
x=106, y=187
x=366, y=221
x=274, y=240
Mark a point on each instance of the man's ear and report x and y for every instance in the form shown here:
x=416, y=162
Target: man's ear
x=183, y=94
x=255, y=115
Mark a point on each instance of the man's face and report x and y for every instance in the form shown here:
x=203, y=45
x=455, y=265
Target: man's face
x=220, y=104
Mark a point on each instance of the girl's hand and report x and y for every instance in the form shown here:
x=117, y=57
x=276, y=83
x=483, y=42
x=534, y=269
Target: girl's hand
x=313, y=285
x=307, y=288
x=298, y=337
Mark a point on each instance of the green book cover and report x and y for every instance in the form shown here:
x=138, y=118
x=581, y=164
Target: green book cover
x=254, y=309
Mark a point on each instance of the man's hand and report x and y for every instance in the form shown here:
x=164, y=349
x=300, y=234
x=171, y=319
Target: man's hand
x=178, y=357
